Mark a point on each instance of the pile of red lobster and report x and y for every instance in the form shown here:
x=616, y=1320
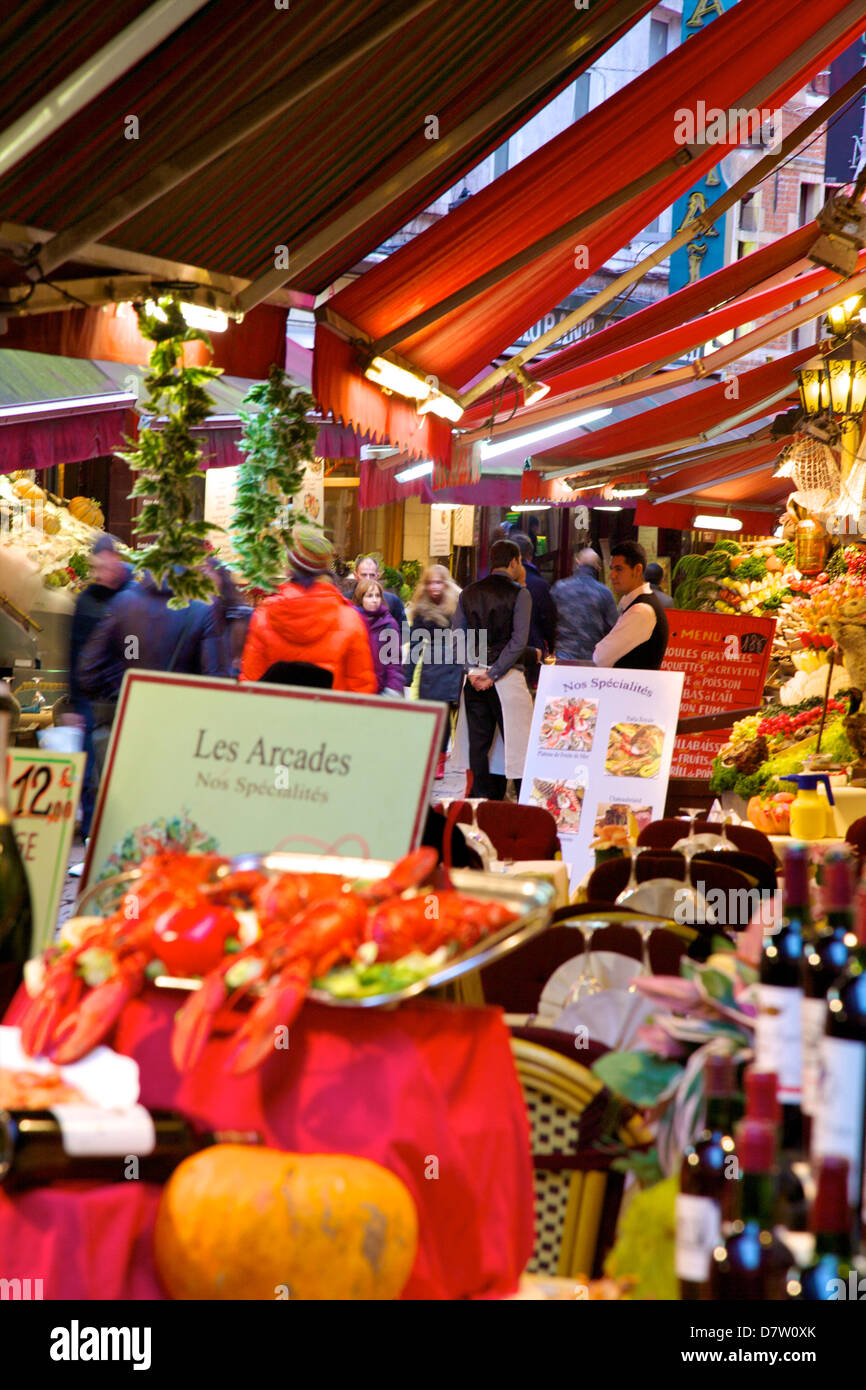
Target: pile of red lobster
x=182, y=911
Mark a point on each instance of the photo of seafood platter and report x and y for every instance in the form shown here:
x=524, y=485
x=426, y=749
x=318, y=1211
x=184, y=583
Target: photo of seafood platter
x=568, y=725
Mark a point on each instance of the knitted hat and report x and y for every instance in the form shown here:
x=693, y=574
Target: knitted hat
x=310, y=551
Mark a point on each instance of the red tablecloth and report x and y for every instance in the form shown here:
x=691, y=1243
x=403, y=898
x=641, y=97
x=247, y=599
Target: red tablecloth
x=422, y=1089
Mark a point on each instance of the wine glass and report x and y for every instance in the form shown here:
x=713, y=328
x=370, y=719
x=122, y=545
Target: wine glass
x=644, y=926
x=587, y=982
x=632, y=885
x=38, y=698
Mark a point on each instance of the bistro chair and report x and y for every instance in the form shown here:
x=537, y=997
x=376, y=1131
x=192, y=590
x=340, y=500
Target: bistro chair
x=515, y=831
x=663, y=834
x=577, y=1128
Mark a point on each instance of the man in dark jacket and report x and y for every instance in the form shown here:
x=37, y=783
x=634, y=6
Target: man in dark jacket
x=654, y=575
x=542, y=623
x=640, y=638
x=141, y=632
x=585, y=610
x=497, y=612
x=111, y=575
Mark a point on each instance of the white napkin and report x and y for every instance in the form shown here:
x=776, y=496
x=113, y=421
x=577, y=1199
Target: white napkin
x=105, y=1077
x=611, y=1017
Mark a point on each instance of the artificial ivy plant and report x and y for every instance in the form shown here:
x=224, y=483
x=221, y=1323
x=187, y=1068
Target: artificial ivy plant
x=166, y=460
x=278, y=442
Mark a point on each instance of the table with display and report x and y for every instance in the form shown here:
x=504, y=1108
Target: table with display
x=427, y=1089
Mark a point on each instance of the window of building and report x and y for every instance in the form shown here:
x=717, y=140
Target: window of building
x=581, y=95
x=658, y=40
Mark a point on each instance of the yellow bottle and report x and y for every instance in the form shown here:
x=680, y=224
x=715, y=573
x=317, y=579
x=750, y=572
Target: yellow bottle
x=811, y=813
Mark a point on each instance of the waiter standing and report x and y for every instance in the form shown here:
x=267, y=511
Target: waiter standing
x=639, y=638
x=495, y=612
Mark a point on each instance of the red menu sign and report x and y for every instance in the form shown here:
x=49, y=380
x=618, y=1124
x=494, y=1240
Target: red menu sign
x=724, y=658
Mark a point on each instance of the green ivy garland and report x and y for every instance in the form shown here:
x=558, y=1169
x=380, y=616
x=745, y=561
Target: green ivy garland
x=278, y=442
x=166, y=460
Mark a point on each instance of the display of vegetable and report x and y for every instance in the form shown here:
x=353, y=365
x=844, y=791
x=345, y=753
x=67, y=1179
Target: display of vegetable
x=238, y=1222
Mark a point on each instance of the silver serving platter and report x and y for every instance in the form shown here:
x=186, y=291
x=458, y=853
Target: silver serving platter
x=532, y=899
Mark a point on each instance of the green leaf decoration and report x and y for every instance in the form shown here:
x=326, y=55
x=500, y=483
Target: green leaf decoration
x=168, y=459
x=637, y=1076
x=278, y=442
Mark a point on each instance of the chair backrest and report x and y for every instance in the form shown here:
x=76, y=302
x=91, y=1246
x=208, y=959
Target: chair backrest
x=576, y=1195
x=519, y=832
x=664, y=834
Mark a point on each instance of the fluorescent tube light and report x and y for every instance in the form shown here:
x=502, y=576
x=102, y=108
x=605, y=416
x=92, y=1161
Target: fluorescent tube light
x=716, y=523
x=418, y=470
x=607, y=509
x=529, y=507
x=393, y=378
x=444, y=406
x=519, y=441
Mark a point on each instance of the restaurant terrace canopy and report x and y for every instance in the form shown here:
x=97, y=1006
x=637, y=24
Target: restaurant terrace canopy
x=453, y=299
x=220, y=141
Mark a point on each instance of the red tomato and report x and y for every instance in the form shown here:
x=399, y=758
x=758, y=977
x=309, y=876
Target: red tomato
x=191, y=940
x=823, y=578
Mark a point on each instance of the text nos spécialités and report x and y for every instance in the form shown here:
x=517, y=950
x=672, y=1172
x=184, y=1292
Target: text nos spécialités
x=273, y=755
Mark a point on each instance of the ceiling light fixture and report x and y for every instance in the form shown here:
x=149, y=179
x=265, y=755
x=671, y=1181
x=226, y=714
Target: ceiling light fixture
x=445, y=406
x=716, y=523
x=391, y=377
x=530, y=507
x=418, y=470
x=533, y=390
x=842, y=222
x=836, y=383
x=194, y=316
x=520, y=441
x=629, y=490
x=607, y=509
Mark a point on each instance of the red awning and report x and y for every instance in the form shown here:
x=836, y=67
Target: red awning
x=110, y=334
x=666, y=347
x=69, y=438
x=743, y=397
x=350, y=135
x=629, y=135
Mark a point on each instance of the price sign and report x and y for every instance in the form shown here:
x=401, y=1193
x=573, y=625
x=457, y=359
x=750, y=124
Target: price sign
x=724, y=659
x=43, y=791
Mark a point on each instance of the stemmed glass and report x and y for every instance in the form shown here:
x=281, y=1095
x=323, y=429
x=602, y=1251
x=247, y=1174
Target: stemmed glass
x=644, y=926
x=587, y=982
x=38, y=698
x=632, y=884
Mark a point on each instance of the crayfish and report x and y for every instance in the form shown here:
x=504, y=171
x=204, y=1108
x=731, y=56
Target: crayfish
x=183, y=909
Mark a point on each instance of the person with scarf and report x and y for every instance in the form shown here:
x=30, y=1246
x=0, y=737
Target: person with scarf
x=431, y=646
x=384, y=637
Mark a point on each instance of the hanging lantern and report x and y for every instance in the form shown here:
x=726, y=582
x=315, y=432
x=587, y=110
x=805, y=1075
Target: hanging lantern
x=845, y=369
x=843, y=317
x=813, y=387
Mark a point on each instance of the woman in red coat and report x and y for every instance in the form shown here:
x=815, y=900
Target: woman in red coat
x=308, y=620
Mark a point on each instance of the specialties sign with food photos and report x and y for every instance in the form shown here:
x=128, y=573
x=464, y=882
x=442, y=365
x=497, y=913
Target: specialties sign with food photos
x=600, y=752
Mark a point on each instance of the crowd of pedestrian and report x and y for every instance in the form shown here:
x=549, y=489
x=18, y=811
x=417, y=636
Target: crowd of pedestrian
x=478, y=651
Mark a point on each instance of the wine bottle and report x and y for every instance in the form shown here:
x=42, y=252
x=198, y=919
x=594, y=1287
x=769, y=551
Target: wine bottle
x=780, y=998
x=838, y=1127
x=16, y=922
x=707, y=1195
x=763, y=1105
x=753, y=1263
x=826, y=1275
x=823, y=960
x=71, y=1142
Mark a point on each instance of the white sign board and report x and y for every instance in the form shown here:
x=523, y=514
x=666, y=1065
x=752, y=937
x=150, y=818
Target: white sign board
x=43, y=789
x=440, y=530
x=464, y=525
x=600, y=746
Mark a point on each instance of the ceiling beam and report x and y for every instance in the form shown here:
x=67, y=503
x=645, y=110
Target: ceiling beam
x=532, y=82
x=323, y=69
x=121, y=53
x=715, y=482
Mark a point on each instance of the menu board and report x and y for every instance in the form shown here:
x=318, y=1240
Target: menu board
x=600, y=747
x=43, y=792
x=209, y=765
x=440, y=530
x=724, y=659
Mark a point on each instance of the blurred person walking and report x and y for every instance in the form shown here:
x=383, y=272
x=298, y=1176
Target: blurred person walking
x=384, y=637
x=542, y=624
x=309, y=620
x=431, y=645
x=585, y=609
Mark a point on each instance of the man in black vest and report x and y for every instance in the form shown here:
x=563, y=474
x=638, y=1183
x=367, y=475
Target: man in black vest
x=497, y=610
x=639, y=638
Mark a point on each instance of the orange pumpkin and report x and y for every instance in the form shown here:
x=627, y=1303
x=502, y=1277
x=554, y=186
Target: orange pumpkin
x=86, y=510
x=43, y=520
x=28, y=491
x=248, y=1223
